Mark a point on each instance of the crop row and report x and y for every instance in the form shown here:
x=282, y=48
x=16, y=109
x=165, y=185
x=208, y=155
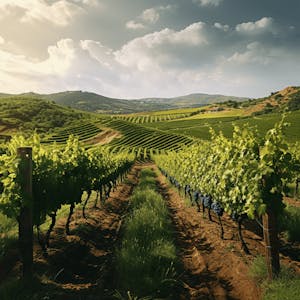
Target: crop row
x=143, y=139
x=83, y=132
x=140, y=119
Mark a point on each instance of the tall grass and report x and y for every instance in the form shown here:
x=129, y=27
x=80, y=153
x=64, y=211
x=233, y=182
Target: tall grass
x=289, y=223
x=147, y=257
x=285, y=287
x=8, y=234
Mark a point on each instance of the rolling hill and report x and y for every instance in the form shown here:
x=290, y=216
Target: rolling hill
x=24, y=114
x=93, y=102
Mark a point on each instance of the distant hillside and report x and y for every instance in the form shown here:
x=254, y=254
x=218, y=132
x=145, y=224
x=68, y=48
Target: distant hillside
x=30, y=113
x=96, y=103
x=195, y=100
x=288, y=98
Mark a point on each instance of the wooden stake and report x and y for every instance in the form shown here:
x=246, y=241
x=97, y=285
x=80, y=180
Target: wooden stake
x=25, y=218
x=271, y=243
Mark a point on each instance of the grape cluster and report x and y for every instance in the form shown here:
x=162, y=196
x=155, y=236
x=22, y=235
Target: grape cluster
x=207, y=201
x=196, y=195
x=217, y=208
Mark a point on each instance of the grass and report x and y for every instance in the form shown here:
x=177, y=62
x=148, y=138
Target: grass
x=8, y=234
x=290, y=223
x=285, y=287
x=147, y=257
x=9, y=229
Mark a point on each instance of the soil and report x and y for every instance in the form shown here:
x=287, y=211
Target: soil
x=80, y=266
x=104, y=137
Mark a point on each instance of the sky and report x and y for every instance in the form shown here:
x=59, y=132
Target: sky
x=149, y=48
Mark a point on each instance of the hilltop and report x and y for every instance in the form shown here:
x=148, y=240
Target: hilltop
x=288, y=98
x=93, y=102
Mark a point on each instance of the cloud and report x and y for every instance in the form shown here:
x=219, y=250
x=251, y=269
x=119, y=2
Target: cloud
x=160, y=47
x=221, y=27
x=1, y=40
x=59, y=12
x=207, y=2
x=255, y=53
x=134, y=25
x=88, y=2
x=99, y=52
x=263, y=25
x=201, y=57
x=149, y=16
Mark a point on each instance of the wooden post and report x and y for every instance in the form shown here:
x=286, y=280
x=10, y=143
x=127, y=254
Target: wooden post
x=271, y=243
x=25, y=218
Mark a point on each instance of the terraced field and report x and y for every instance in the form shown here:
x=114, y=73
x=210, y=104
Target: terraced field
x=151, y=118
x=84, y=131
x=145, y=140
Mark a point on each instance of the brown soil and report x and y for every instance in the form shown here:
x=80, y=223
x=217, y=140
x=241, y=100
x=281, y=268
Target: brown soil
x=104, y=137
x=292, y=202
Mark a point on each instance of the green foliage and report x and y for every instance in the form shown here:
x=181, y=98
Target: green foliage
x=199, y=128
x=244, y=174
x=60, y=176
x=27, y=114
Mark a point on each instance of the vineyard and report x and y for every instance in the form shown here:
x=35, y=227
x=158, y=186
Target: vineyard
x=141, y=119
x=239, y=177
x=83, y=132
x=229, y=182
x=145, y=140
x=199, y=127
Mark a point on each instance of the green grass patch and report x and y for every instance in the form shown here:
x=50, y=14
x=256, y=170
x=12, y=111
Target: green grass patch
x=8, y=234
x=147, y=258
x=285, y=287
x=289, y=223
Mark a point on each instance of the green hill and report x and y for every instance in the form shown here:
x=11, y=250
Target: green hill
x=97, y=103
x=23, y=114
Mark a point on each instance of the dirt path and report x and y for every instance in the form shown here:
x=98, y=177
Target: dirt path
x=213, y=268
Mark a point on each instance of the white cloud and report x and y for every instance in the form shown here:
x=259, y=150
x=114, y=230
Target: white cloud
x=201, y=57
x=221, y=27
x=59, y=12
x=134, y=25
x=263, y=25
x=255, y=53
x=99, y=52
x=88, y=2
x=157, y=48
x=1, y=40
x=149, y=16
x=207, y=2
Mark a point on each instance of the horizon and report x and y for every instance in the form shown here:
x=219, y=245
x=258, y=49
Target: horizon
x=149, y=49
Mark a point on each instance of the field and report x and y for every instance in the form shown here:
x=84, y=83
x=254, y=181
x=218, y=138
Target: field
x=199, y=127
x=127, y=222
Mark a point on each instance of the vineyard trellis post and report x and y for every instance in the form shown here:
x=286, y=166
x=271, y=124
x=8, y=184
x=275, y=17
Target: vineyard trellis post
x=25, y=217
x=271, y=243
